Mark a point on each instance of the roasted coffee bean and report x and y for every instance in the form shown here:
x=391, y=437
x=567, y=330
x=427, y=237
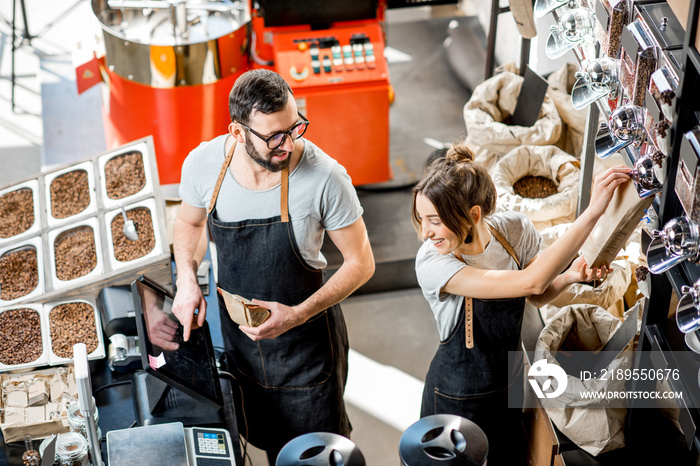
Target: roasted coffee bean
x=16, y=212
x=20, y=336
x=641, y=273
x=126, y=250
x=75, y=253
x=618, y=20
x=646, y=65
x=662, y=127
x=70, y=194
x=534, y=187
x=658, y=158
x=72, y=323
x=666, y=97
x=124, y=175
x=19, y=273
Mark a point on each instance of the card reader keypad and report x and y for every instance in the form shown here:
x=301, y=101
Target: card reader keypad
x=210, y=443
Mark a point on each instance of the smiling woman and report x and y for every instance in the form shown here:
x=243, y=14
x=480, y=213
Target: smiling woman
x=471, y=270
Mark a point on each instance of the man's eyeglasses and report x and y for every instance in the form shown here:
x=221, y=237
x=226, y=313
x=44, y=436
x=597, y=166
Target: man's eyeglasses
x=277, y=139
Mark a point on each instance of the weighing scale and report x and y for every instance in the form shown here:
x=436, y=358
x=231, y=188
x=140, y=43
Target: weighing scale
x=171, y=444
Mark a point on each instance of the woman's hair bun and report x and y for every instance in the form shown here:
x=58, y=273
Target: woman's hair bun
x=460, y=153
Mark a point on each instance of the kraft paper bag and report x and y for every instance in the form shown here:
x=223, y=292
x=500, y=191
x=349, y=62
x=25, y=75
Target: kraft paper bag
x=615, y=227
x=242, y=311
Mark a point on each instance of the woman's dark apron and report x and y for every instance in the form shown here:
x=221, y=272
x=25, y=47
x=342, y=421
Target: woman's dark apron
x=470, y=375
x=292, y=384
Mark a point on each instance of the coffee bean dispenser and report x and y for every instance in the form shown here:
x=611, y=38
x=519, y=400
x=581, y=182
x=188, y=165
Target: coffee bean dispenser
x=70, y=193
x=542, y=7
x=20, y=214
x=75, y=253
x=638, y=58
x=687, y=175
x=574, y=28
x=624, y=127
x=21, y=271
x=597, y=80
x=612, y=17
x=679, y=240
x=644, y=177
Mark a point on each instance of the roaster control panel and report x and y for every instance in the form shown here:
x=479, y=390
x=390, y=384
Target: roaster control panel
x=339, y=55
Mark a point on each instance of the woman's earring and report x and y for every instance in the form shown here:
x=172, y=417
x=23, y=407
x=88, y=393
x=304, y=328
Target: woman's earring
x=468, y=239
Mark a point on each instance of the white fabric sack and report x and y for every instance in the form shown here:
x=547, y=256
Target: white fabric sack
x=582, y=327
x=493, y=102
x=546, y=161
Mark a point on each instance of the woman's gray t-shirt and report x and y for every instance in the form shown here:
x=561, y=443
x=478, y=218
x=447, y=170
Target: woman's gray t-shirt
x=434, y=270
x=321, y=195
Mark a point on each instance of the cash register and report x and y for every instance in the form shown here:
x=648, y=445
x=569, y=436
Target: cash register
x=178, y=396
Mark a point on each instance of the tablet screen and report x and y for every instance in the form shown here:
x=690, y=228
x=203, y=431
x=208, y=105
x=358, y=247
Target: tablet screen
x=191, y=367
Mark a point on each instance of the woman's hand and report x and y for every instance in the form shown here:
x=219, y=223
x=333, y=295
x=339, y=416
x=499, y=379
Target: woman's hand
x=580, y=273
x=604, y=186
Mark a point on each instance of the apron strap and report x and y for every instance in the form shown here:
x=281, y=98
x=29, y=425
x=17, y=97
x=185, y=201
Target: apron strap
x=220, y=179
x=469, y=305
x=504, y=242
x=284, y=196
x=468, y=322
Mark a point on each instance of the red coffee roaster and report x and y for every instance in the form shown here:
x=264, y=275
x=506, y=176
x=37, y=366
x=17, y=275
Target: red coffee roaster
x=168, y=68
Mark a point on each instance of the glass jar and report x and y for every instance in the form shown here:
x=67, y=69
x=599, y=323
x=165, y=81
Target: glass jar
x=77, y=421
x=72, y=449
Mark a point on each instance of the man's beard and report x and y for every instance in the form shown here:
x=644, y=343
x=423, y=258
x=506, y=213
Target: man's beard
x=267, y=163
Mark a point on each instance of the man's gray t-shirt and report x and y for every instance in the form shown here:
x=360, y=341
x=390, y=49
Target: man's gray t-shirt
x=321, y=195
x=434, y=270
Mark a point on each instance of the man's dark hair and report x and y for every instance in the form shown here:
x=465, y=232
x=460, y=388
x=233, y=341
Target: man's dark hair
x=261, y=90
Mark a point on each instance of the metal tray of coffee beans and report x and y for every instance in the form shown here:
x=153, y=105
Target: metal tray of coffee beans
x=21, y=271
x=20, y=213
x=124, y=252
x=70, y=193
x=23, y=337
x=125, y=175
x=70, y=322
x=75, y=253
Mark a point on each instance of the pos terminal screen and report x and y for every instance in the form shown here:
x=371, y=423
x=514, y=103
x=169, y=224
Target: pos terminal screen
x=192, y=367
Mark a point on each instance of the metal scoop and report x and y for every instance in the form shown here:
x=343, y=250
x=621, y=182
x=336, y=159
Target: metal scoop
x=129, y=227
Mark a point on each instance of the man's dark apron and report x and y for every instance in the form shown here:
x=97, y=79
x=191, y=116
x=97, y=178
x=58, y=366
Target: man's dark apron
x=469, y=375
x=292, y=384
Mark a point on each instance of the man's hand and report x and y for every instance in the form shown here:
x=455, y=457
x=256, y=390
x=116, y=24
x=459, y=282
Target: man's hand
x=282, y=318
x=580, y=273
x=162, y=330
x=188, y=298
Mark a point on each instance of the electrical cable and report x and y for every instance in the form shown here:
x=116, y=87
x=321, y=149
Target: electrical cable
x=245, y=420
x=110, y=385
